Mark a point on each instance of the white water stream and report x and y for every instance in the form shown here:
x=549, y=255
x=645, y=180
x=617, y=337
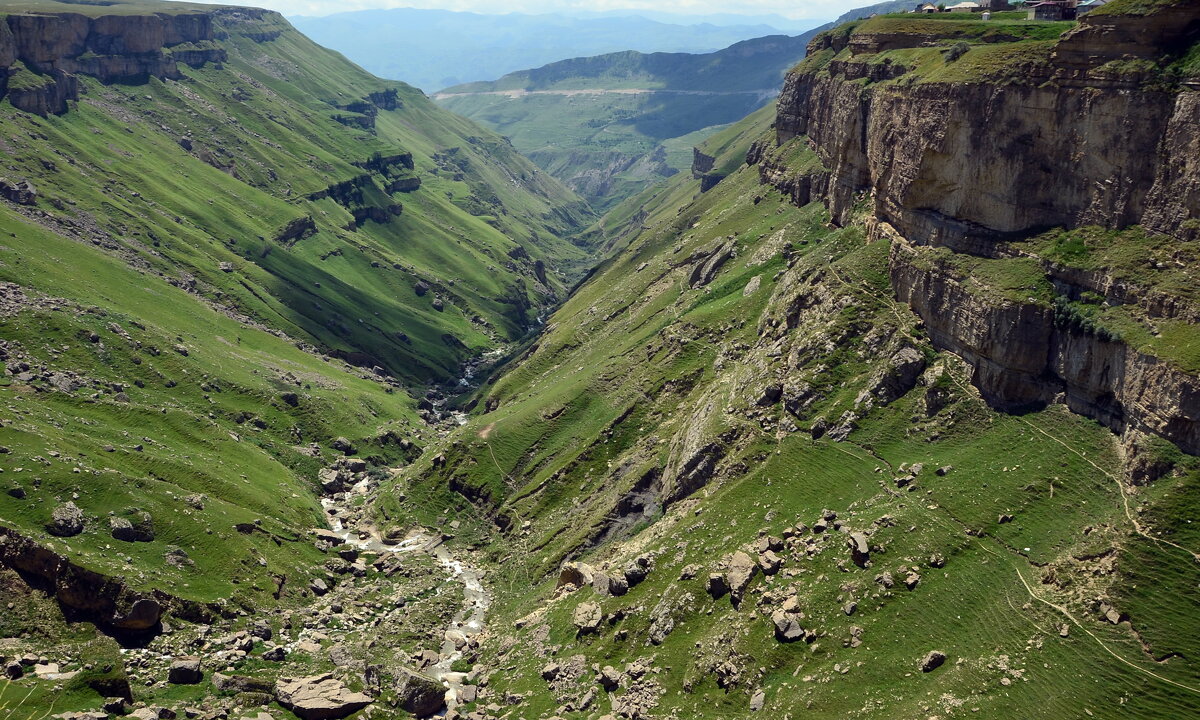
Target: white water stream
x=467, y=622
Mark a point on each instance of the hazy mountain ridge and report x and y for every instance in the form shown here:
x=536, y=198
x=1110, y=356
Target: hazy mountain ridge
x=441, y=48
x=609, y=125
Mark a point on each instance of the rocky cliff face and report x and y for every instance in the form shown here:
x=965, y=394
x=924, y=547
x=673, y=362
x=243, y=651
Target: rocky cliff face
x=47, y=50
x=1090, y=132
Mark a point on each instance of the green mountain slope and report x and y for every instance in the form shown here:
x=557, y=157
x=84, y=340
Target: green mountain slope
x=890, y=410
x=756, y=373
x=331, y=193
x=227, y=256
x=607, y=125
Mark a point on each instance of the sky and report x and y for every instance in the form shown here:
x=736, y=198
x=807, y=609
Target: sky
x=794, y=9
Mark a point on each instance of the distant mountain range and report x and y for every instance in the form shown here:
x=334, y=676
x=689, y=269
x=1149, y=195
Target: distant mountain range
x=612, y=124
x=434, y=49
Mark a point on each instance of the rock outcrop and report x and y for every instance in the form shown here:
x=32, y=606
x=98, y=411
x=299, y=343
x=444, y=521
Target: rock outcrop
x=978, y=164
x=49, y=49
x=88, y=595
x=319, y=697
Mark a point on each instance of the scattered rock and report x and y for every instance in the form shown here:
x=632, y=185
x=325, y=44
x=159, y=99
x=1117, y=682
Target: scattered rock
x=932, y=660
x=320, y=697
x=177, y=557
x=587, y=617
x=185, y=671
x=418, y=694
x=65, y=521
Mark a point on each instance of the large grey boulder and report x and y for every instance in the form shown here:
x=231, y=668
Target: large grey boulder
x=185, y=671
x=419, y=694
x=741, y=570
x=319, y=697
x=587, y=617
x=66, y=520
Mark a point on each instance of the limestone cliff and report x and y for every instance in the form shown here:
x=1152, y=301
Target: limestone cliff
x=42, y=53
x=973, y=148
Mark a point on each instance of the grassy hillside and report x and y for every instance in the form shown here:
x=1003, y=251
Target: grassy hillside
x=185, y=176
x=197, y=260
x=680, y=409
x=604, y=124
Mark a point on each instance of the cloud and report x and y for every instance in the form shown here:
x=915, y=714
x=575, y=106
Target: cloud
x=806, y=9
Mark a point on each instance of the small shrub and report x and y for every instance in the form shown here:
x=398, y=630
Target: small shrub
x=956, y=51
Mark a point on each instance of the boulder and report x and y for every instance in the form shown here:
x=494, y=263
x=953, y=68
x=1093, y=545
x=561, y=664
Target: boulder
x=609, y=678
x=932, y=660
x=20, y=192
x=769, y=562
x=185, y=671
x=587, y=617
x=275, y=654
x=757, y=700
x=239, y=684
x=139, y=529
x=577, y=574
x=419, y=694
x=143, y=614
x=66, y=520
x=860, y=549
x=716, y=585
x=319, y=697
x=635, y=573
x=740, y=571
x=787, y=627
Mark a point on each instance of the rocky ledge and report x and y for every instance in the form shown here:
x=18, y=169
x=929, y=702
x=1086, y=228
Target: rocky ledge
x=976, y=164
x=42, y=53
